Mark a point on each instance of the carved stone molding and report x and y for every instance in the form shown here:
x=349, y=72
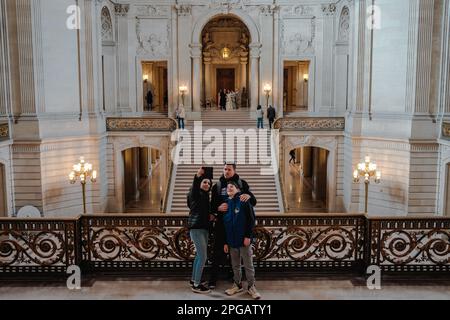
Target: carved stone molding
x=268, y=10
x=328, y=143
x=107, y=25
x=140, y=124
x=121, y=9
x=344, y=25
x=298, y=10
x=446, y=130
x=300, y=42
x=227, y=5
x=329, y=9
x=4, y=131
x=184, y=10
x=152, y=11
x=310, y=124
x=152, y=44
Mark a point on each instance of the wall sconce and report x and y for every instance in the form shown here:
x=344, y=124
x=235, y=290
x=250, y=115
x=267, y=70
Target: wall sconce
x=83, y=171
x=145, y=77
x=306, y=77
x=267, y=89
x=183, y=91
x=367, y=170
x=226, y=53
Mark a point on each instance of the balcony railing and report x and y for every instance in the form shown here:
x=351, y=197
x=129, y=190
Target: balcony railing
x=141, y=124
x=283, y=243
x=310, y=124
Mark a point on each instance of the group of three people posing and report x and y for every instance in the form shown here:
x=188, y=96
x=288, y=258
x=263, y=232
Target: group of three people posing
x=229, y=212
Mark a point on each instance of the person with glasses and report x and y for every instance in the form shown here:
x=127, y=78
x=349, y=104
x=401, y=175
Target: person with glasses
x=198, y=224
x=219, y=207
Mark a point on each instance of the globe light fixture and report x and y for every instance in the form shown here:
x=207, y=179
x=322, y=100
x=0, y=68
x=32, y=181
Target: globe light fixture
x=83, y=171
x=368, y=171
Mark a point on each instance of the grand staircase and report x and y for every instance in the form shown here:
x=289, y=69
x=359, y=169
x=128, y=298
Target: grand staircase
x=264, y=187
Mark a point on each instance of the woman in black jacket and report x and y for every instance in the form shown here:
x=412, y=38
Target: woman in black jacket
x=198, y=223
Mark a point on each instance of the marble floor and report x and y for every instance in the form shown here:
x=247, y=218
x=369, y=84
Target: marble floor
x=299, y=193
x=150, y=195
x=163, y=289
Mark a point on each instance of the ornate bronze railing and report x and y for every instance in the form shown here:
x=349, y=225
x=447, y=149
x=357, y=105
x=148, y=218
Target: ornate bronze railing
x=37, y=246
x=310, y=124
x=141, y=124
x=285, y=243
x=411, y=245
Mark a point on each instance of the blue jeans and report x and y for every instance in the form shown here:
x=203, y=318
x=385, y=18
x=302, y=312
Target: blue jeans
x=180, y=123
x=200, y=239
x=260, y=123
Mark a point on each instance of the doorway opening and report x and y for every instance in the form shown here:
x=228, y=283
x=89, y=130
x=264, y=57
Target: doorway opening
x=306, y=185
x=296, y=86
x=142, y=185
x=225, y=43
x=155, y=87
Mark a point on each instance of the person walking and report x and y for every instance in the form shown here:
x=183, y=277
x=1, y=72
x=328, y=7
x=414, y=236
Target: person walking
x=219, y=206
x=198, y=224
x=260, y=117
x=180, y=114
x=292, y=154
x=271, y=114
x=149, y=100
x=239, y=222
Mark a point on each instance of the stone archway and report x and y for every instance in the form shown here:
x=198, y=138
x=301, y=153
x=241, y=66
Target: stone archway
x=322, y=142
x=197, y=54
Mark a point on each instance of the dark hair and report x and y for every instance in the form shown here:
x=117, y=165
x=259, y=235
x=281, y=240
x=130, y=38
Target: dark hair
x=230, y=164
x=234, y=183
x=259, y=107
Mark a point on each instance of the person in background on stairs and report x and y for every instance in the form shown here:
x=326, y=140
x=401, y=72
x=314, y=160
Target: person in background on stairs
x=219, y=207
x=239, y=223
x=260, y=117
x=180, y=114
x=292, y=154
x=271, y=114
x=149, y=100
x=198, y=224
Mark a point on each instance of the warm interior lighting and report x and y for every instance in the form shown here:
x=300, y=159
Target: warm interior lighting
x=306, y=77
x=267, y=88
x=145, y=77
x=226, y=53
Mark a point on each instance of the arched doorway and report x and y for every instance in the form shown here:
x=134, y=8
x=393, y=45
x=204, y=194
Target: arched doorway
x=142, y=180
x=3, y=202
x=306, y=187
x=225, y=62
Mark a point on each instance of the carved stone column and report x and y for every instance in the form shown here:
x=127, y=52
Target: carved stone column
x=122, y=41
x=208, y=79
x=255, y=52
x=196, y=54
x=244, y=62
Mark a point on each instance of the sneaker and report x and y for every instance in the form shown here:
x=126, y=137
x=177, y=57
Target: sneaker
x=200, y=289
x=234, y=289
x=254, y=293
x=191, y=283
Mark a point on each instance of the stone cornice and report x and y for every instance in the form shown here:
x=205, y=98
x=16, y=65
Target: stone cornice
x=310, y=124
x=140, y=124
x=121, y=9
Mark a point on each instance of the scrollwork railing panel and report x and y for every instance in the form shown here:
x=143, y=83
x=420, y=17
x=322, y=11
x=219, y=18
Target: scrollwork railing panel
x=141, y=124
x=160, y=241
x=410, y=244
x=41, y=246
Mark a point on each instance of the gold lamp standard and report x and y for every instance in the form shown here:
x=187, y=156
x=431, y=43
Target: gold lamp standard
x=366, y=170
x=183, y=91
x=267, y=89
x=83, y=171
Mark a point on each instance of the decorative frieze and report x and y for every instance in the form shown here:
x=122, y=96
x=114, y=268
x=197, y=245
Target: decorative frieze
x=184, y=10
x=298, y=10
x=329, y=9
x=227, y=5
x=140, y=124
x=268, y=10
x=152, y=11
x=310, y=124
x=121, y=9
x=150, y=41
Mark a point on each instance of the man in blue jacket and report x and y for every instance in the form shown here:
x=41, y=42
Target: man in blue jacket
x=239, y=222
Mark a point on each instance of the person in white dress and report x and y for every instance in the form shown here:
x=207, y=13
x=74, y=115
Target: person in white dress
x=229, y=105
